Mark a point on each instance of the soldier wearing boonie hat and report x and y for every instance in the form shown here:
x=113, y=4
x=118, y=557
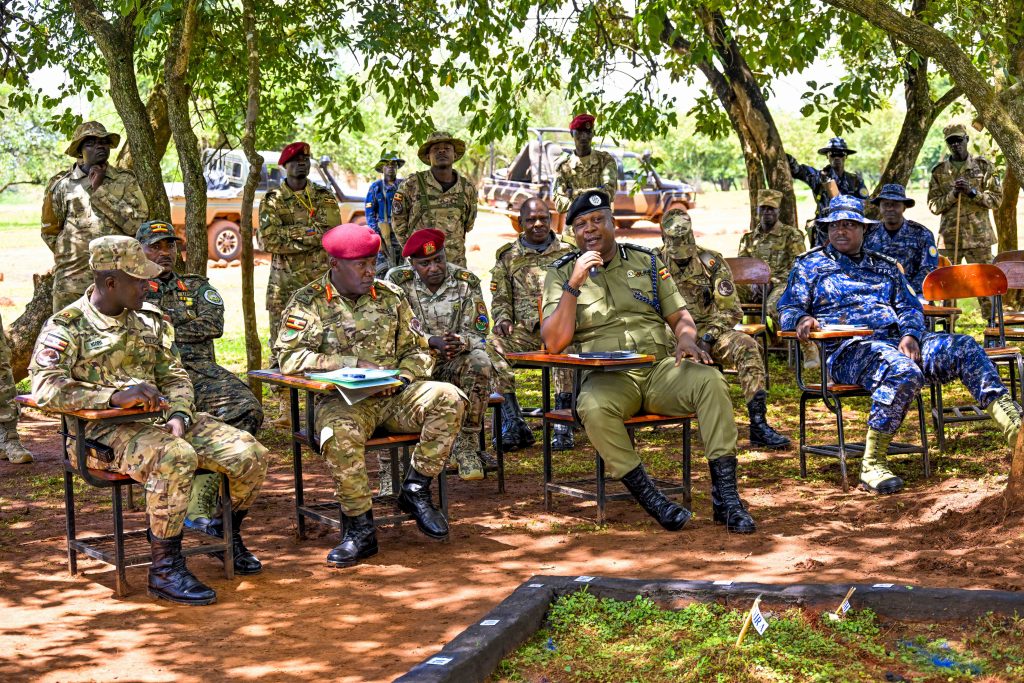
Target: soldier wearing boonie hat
x=831, y=180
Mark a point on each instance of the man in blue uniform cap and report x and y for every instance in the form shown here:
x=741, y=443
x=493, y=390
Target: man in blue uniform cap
x=907, y=241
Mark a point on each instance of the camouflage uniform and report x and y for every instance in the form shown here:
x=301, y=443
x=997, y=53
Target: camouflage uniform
x=976, y=233
x=779, y=248
x=74, y=214
x=10, y=444
x=851, y=184
x=323, y=330
x=291, y=231
x=705, y=282
x=912, y=245
x=420, y=202
x=82, y=357
x=575, y=175
x=517, y=284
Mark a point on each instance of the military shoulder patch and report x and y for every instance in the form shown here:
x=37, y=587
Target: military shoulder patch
x=213, y=296
x=296, y=321
x=400, y=275
x=304, y=295
x=637, y=247
x=55, y=342
x=494, y=286
x=47, y=358
x=726, y=288
x=664, y=274
x=503, y=249
x=933, y=252
x=482, y=321
x=568, y=258
x=467, y=276
x=67, y=316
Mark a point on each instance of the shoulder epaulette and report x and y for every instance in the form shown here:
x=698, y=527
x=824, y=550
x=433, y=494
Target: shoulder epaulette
x=466, y=276
x=389, y=287
x=400, y=274
x=202, y=279
x=568, y=258
x=637, y=247
x=815, y=250
x=151, y=308
x=308, y=293
x=63, y=174
x=67, y=316
x=711, y=260
x=936, y=166
x=884, y=257
x=982, y=161
x=503, y=249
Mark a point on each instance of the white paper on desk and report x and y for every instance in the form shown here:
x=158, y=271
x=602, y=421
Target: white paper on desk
x=354, y=395
x=624, y=356
x=843, y=328
x=352, y=375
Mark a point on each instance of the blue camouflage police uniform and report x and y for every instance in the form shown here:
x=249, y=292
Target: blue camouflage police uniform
x=378, y=210
x=912, y=245
x=836, y=290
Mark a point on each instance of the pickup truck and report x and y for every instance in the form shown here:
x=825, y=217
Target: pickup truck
x=226, y=171
x=532, y=173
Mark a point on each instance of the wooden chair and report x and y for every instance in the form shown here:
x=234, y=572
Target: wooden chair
x=1005, y=256
x=961, y=282
x=121, y=549
x=754, y=272
x=1014, y=272
x=832, y=395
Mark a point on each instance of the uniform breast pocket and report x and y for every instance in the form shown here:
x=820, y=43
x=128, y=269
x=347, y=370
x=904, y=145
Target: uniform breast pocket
x=98, y=348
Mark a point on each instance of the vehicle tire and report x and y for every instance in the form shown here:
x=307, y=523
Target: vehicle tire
x=623, y=224
x=224, y=241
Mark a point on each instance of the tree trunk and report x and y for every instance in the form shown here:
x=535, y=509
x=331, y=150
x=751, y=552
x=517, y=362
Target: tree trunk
x=24, y=330
x=920, y=116
x=1006, y=213
x=179, y=50
x=117, y=43
x=156, y=110
x=253, y=347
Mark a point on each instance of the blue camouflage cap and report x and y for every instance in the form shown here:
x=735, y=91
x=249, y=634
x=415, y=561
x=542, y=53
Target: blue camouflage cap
x=847, y=208
x=894, y=192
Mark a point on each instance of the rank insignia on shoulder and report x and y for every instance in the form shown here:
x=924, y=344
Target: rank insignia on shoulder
x=463, y=274
x=663, y=273
x=295, y=322
x=369, y=204
x=154, y=286
x=316, y=287
x=67, y=317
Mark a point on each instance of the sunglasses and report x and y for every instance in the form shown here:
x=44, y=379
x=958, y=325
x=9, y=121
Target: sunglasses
x=836, y=155
x=955, y=140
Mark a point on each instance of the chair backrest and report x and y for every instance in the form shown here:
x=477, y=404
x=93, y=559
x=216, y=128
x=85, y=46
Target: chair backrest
x=1016, y=255
x=1014, y=272
x=963, y=282
x=749, y=271
x=944, y=261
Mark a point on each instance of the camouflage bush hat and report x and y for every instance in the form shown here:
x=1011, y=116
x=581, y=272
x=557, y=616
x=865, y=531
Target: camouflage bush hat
x=90, y=129
x=893, y=192
x=954, y=130
x=441, y=136
x=152, y=232
x=389, y=157
x=677, y=234
x=772, y=198
x=120, y=252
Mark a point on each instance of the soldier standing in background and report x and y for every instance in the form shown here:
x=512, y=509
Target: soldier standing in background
x=378, y=210
x=90, y=200
x=907, y=241
x=437, y=198
x=10, y=443
x=831, y=181
x=584, y=169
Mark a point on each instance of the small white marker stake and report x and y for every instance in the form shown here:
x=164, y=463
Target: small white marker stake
x=844, y=606
x=490, y=622
x=754, y=617
x=439, y=661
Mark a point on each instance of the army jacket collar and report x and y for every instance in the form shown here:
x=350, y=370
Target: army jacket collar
x=424, y=291
x=332, y=294
x=285, y=192
x=99, y=320
x=429, y=179
x=78, y=174
x=575, y=160
x=552, y=245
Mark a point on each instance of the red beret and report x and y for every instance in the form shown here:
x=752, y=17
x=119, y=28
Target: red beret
x=350, y=241
x=424, y=243
x=580, y=121
x=291, y=150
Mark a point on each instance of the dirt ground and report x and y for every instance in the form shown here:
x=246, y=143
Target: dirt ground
x=302, y=621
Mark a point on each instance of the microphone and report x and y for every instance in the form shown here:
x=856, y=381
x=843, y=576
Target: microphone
x=593, y=271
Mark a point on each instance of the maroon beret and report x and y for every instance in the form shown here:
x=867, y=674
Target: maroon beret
x=291, y=150
x=423, y=243
x=580, y=121
x=350, y=241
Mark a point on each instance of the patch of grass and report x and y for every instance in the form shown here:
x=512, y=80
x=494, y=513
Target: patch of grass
x=591, y=639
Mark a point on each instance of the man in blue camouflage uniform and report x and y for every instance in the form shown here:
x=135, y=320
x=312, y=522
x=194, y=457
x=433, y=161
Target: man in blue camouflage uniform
x=378, y=211
x=908, y=242
x=843, y=284
x=851, y=184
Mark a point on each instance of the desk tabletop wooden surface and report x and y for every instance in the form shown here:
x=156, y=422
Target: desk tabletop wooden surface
x=28, y=400
x=274, y=376
x=541, y=359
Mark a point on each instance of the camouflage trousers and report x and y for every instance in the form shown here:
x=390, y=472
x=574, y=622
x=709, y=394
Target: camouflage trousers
x=740, y=351
x=521, y=339
x=434, y=409
x=978, y=255
x=165, y=464
x=8, y=389
x=471, y=372
x=894, y=380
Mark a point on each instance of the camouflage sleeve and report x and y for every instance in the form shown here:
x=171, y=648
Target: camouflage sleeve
x=53, y=359
x=907, y=307
x=796, y=301
x=929, y=261
x=299, y=341
x=277, y=238
x=610, y=177
x=371, y=206
x=561, y=190
x=471, y=203
x=413, y=353
x=400, y=209
x=52, y=222
x=940, y=198
x=744, y=248
x=171, y=378
x=805, y=173
x=207, y=322
x=730, y=314
x=474, y=322
x=668, y=293
x=501, y=292
x=122, y=203
x=991, y=194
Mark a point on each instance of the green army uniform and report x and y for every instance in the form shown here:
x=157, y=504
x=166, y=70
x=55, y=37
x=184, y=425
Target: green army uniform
x=616, y=311
x=421, y=202
x=457, y=307
x=291, y=227
x=323, y=330
x=83, y=357
x=779, y=248
x=574, y=175
x=517, y=284
x=976, y=233
x=10, y=444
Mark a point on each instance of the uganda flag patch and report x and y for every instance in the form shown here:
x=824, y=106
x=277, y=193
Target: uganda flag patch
x=54, y=342
x=494, y=286
x=664, y=274
x=295, y=322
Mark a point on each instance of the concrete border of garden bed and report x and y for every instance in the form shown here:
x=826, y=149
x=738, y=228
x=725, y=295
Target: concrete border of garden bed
x=473, y=655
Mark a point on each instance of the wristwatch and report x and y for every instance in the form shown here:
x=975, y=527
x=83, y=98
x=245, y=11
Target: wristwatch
x=566, y=287
x=185, y=419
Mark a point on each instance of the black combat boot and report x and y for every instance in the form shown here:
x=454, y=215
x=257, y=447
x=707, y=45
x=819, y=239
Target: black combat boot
x=513, y=426
x=725, y=499
x=170, y=579
x=245, y=562
x=415, y=500
x=761, y=433
x=358, y=541
x=563, y=439
x=669, y=515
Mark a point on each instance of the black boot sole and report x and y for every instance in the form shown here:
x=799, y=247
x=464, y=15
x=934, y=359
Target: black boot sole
x=219, y=556
x=882, y=490
x=354, y=562
x=770, y=447
x=154, y=593
x=408, y=509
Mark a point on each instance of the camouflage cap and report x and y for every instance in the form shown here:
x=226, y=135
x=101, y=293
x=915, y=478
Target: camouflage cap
x=954, y=130
x=152, y=232
x=440, y=136
x=772, y=198
x=389, y=157
x=677, y=233
x=90, y=129
x=119, y=252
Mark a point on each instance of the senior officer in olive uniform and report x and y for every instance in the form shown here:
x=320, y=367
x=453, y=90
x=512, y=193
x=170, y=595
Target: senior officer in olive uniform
x=705, y=281
x=585, y=168
x=346, y=319
x=111, y=348
x=450, y=309
x=626, y=306
x=517, y=284
x=437, y=198
x=293, y=219
x=91, y=199
x=196, y=311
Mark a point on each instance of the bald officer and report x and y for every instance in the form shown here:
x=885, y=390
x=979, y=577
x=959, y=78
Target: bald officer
x=613, y=297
